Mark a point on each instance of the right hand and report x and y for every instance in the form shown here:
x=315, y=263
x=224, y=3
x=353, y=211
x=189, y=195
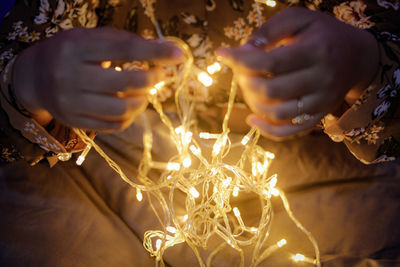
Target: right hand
x=62, y=77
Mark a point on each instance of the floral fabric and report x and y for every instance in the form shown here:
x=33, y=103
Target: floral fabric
x=370, y=127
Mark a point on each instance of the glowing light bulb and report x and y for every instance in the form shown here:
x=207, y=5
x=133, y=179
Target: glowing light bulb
x=82, y=156
x=171, y=229
x=156, y=88
x=187, y=162
x=235, y=192
x=118, y=68
x=178, y=130
x=236, y=212
x=273, y=181
x=226, y=182
x=245, y=140
x=269, y=155
x=214, y=68
x=281, y=243
x=106, y=64
x=260, y=167
x=205, y=79
x=298, y=257
x=173, y=166
x=194, y=192
x=270, y=3
x=188, y=137
x=196, y=151
x=139, y=195
x=254, y=229
x=205, y=135
x=275, y=192
x=158, y=244
x=217, y=148
x=159, y=85
x=153, y=91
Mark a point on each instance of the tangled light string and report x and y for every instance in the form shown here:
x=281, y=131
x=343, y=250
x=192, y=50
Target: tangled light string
x=209, y=183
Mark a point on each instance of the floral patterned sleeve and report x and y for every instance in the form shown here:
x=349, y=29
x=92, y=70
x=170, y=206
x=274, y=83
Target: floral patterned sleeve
x=371, y=126
x=27, y=23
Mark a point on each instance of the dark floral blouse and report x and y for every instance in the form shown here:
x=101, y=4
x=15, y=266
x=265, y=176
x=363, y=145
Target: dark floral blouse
x=370, y=127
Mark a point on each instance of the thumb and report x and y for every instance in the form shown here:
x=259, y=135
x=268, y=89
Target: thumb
x=286, y=23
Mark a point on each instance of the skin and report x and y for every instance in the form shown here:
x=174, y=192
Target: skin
x=309, y=56
x=62, y=77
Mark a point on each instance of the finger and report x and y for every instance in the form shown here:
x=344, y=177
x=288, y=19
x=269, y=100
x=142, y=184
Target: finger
x=109, y=108
x=87, y=123
x=283, y=87
x=287, y=23
x=284, y=130
x=287, y=110
x=277, y=61
x=122, y=45
x=93, y=78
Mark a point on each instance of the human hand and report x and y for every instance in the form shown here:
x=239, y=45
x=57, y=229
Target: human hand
x=62, y=77
x=305, y=63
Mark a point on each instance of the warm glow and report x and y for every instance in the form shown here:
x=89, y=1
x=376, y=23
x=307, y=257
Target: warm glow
x=205, y=135
x=118, y=68
x=214, y=68
x=275, y=192
x=106, y=64
x=205, y=79
x=185, y=218
x=269, y=155
x=235, y=192
x=196, y=151
x=158, y=244
x=187, y=162
x=139, y=195
x=173, y=166
x=236, y=212
x=281, y=243
x=80, y=160
x=171, y=229
x=227, y=182
x=273, y=181
x=298, y=257
x=194, y=192
x=270, y=3
x=245, y=140
x=156, y=88
x=159, y=85
x=153, y=91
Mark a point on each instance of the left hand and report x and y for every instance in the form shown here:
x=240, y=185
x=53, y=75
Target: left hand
x=310, y=57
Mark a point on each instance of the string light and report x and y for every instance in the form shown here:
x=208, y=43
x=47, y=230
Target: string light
x=214, y=68
x=205, y=79
x=139, y=195
x=281, y=243
x=118, y=68
x=106, y=64
x=83, y=155
x=207, y=214
x=270, y=3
